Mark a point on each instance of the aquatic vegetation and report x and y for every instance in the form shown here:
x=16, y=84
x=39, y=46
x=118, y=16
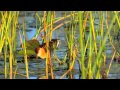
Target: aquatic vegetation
x=87, y=34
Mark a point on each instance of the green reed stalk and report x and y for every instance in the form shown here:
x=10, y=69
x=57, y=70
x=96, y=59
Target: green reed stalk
x=7, y=20
x=112, y=43
x=92, y=46
x=81, y=43
x=45, y=28
x=103, y=44
x=93, y=32
x=10, y=46
x=25, y=53
x=15, y=72
x=50, y=19
x=108, y=70
x=106, y=22
x=117, y=18
x=47, y=20
x=56, y=20
x=5, y=59
x=2, y=35
x=2, y=39
x=101, y=64
x=14, y=35
x=90, y=54
x=39, y=20
x=71, y=43
x=70, y=38
x=7, y=37
x=51, y=22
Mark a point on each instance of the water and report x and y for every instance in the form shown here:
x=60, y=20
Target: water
x=33, y=77
x=31, y=33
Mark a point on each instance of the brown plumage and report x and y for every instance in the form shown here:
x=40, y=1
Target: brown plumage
x=41, y=51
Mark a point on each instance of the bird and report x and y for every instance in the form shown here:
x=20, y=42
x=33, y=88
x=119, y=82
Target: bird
x=45, y=52
x=41, y=50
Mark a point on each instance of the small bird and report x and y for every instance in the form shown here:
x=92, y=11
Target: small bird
x=53, y=44
x=41, y=51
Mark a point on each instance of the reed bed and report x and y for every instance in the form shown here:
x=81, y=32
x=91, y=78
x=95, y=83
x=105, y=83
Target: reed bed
x=87, y=34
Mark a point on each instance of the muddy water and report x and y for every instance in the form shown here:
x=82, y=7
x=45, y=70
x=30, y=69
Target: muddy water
x=37, y=67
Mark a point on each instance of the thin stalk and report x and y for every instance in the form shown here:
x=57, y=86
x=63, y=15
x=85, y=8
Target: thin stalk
x=93, y=31
x=71, y=67
x=81, y=43
x=25, y=52
x=56, y=21
x=103, y=43
x=45, y=28
x=5, y=59
x=110, y=63
x=90, y=56
x=15, y=72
